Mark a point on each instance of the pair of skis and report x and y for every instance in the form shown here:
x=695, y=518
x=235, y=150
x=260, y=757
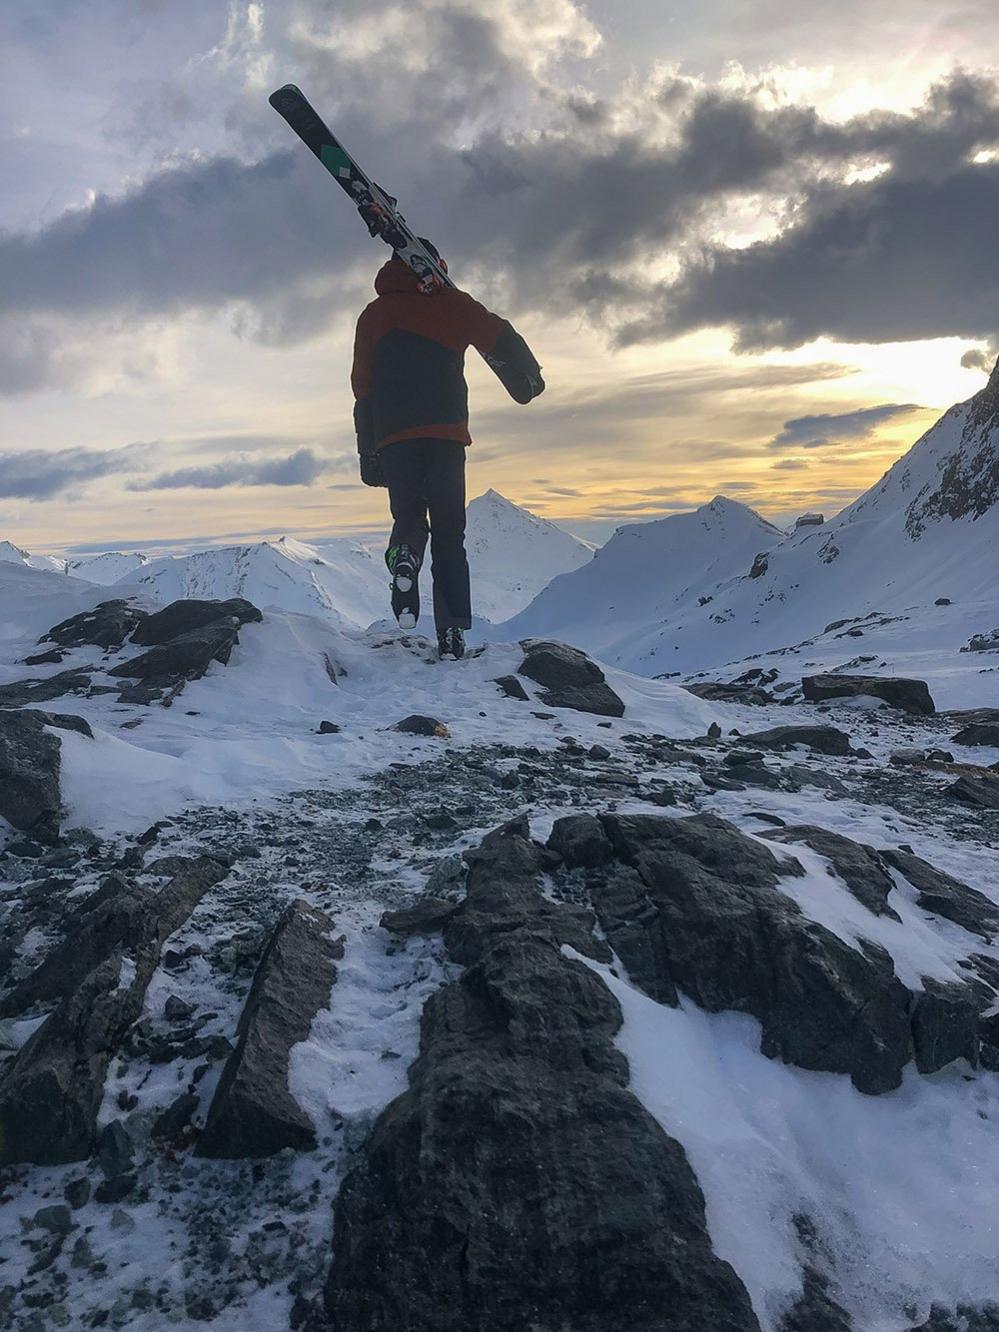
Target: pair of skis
x=377, y=208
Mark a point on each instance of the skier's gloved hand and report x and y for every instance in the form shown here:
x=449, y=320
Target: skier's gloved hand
x=372, y=473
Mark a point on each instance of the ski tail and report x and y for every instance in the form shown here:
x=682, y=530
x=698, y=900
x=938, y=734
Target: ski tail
x=293, y=105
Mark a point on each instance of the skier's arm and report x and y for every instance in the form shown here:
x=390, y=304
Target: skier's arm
x=360, y=382
x=505, y=351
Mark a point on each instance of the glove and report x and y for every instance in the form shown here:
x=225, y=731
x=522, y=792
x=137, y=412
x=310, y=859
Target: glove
x=371, y=470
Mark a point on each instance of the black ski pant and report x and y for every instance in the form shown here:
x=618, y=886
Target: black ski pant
x=426, y=478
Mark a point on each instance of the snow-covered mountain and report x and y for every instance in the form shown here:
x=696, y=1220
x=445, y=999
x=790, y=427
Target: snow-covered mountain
x=513, y=554
x=107, y=568
x=11, y=554
x=929, y=529
x=646, y=574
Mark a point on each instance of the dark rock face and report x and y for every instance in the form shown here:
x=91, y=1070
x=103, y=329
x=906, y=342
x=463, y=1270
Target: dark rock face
x=106, y=626
x=815, y=1310
x=570, y=679
x=29, y=769
x=982, y=792
x=185, y=617
x=419, y=725
x=824, y=739
x=944, y=1025
x=982, y=733
x=946, y=896
x=908, y=695
x=52, y=1091
x=28, y=693
x=253, y=1113
x=694, y=905
x=512, y=687
x=857, y=865
x=964, y=1319
x=428, y=916
x=186, y=657
x=580, y=840
x=518, y=1183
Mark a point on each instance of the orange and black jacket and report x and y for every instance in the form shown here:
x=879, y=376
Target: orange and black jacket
x=408, y=374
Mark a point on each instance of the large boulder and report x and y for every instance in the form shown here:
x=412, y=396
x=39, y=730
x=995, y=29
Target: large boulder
x=253, y=1112
x=186, y=657
x=570, y=679
x=29, y=768
x=183, y=617
x=980, y=791
x=693, y=905
x=824, y=739
x=518, y=1183
x=908, y=695
x=106, y=626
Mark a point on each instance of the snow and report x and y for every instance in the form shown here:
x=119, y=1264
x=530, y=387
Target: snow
x=899, y=1187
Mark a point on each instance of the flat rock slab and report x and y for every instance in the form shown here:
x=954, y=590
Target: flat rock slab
x=51, y=1094
x=982, y=792
x=694, y=905
x=978, y=733
x=27, y=693
x=598, y=699
x=106, y=626
x=29, y=768
x=512, y=687
x=187, y=656
x=720, y=691
x=907, y=695
x=518, y=1183
x=253, y=1112
x=181, y=617
x=823, y=739
x=946, y=896
x=420, y=725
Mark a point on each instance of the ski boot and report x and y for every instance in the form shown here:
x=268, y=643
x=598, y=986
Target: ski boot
x=451, y=644
x=404, y=566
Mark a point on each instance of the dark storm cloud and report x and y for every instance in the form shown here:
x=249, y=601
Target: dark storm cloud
x=976, y=359
x=297, y=469
x=814, y=432
x=35, y=474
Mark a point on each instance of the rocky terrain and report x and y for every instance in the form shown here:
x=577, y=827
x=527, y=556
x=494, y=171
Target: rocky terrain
x=508, y=993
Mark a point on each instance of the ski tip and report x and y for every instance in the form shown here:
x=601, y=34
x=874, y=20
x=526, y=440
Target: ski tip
x=282, y=94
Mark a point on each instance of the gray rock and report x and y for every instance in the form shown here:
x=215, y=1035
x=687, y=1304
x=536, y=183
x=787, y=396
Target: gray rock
x=29, y=693
x=420, y=725
x=512, y=687
x=77, y=1192
x=908, y=695
x=57, y=1218
x=328, y=728
x=980, y=733
x=857, y=865
x=29, y=769
x=176, y=1117
x=720, y=691
x=598, y=699
x=53, y=1089
x=116, y=1189
x=982, y=792
x=253, y=1112
x=427, y=916
x=815, y=1310
x=186, y=657
x=106, y=626
x=694, y=905
x=823, y=739
x=519, y=1183
x=558, y=666
x=799, y=775
x=177, y=1010
x=944, y=1025
x=946, y=896
x=115, y=1149
x=185, y=616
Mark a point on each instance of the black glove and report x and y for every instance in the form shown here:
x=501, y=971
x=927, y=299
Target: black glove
x=371, y=466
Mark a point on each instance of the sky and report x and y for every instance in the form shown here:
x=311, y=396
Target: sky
x=753, y=246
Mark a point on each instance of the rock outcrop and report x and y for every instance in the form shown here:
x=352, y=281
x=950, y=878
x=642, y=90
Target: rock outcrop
x=908, y=695
x=51, y=1094
x=823, y=739
x=106, y=626
x=253, y=1112
x=693, y=905
x=519, y=1183
x=859, y=866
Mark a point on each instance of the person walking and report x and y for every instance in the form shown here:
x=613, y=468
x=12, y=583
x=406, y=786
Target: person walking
x=411, y=419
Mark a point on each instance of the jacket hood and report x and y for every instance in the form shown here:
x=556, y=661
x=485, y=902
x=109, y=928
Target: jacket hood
x=395, y=275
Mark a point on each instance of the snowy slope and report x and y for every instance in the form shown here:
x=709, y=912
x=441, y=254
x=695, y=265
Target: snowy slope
x=646, y=573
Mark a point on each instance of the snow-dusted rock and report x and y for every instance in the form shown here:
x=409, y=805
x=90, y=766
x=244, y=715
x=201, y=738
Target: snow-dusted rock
x=29, y=769
x=898, y=692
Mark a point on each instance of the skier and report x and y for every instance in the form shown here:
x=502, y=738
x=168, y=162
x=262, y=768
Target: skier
x=411, y=417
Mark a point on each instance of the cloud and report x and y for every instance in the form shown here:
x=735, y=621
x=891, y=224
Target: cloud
x=789, y=465
x=297, y=469
x=815, y=432
x=37, y=474
x=977, y=359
